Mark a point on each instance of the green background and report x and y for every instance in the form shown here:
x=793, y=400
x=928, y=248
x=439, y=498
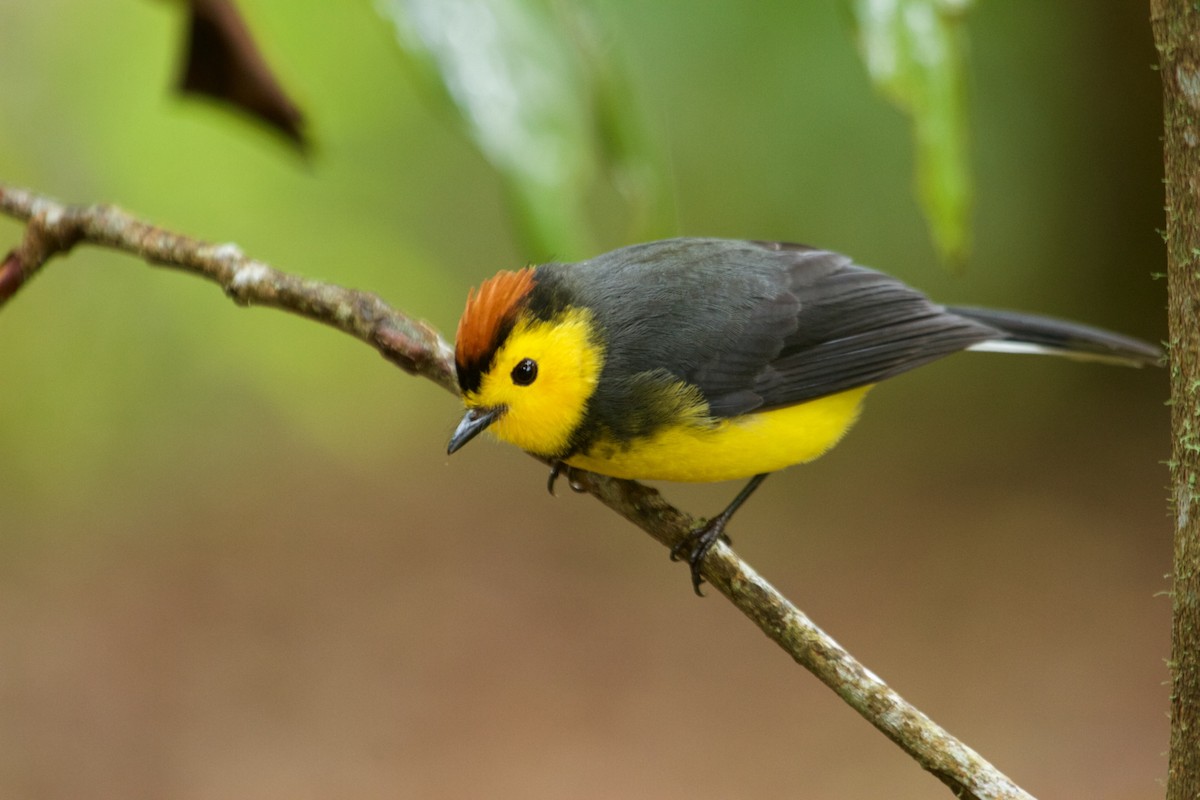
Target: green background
x=235, y=561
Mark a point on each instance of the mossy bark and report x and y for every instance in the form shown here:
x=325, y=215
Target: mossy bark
x=1177, y=36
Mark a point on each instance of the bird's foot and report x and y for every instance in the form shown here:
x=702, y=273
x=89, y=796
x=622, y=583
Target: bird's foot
x=694, y=546
x=558, y=468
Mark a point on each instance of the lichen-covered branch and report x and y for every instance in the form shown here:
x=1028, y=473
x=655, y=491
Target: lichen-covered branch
x=53, y=229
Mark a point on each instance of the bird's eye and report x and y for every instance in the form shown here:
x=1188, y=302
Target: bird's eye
x=525, y=372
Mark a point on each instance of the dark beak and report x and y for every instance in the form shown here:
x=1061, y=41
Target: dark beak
x=473, y=423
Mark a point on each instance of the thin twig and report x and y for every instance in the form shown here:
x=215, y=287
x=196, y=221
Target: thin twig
x=53, y=229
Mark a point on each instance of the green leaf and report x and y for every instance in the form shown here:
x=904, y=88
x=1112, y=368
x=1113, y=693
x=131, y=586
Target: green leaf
x=535, y=97
x=915, y=53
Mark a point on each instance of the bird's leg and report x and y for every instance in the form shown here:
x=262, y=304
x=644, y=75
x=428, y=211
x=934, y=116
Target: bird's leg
x=696, y=544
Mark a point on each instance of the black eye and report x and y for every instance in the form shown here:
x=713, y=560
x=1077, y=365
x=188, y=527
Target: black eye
x=525, y=372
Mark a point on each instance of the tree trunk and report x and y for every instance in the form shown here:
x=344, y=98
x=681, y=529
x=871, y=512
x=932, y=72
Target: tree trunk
x=1177, y=36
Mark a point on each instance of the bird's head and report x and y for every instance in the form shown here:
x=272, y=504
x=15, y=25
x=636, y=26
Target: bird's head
x=527, y=364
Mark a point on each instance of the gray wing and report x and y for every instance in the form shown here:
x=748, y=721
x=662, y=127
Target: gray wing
x=753, y=325
x=828, y=326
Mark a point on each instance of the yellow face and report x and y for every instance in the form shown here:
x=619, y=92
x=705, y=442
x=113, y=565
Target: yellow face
x=543, y=376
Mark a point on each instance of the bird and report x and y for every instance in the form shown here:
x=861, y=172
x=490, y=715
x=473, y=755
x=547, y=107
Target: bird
x=706, y=359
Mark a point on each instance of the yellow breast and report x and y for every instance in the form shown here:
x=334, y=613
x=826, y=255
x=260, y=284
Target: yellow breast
x=729, y=449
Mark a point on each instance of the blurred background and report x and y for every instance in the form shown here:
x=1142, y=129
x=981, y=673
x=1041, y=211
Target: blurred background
x=235, y=561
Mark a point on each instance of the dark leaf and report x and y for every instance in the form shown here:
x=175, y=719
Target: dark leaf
x=224, y=63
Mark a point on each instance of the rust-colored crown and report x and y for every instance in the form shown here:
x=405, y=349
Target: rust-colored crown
x=488, y=311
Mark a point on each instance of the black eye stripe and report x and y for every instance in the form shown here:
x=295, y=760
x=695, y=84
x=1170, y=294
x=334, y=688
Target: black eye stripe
x=525, y=372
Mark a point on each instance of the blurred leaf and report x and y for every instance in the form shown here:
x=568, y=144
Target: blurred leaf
x=223, y=62
x=628, y=150
x=540, y=101
x=915, y=52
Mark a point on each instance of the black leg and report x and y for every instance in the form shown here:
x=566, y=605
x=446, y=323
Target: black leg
x=699, y=541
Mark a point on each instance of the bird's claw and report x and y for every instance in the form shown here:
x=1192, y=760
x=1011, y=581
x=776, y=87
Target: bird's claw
x=694, y=546
x=559, y=467
x=555, y=469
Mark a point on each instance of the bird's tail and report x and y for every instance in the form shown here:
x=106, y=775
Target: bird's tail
x=1030, y=333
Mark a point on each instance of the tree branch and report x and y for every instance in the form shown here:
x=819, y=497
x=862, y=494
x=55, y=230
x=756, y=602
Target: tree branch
x=54, y=229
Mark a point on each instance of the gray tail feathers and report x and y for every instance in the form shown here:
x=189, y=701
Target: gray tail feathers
x=1030, y=333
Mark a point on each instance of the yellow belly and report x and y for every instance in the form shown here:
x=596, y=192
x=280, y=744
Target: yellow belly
x=739, y=447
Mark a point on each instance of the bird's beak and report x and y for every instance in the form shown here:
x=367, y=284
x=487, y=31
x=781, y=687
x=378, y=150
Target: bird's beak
x=473, y=423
